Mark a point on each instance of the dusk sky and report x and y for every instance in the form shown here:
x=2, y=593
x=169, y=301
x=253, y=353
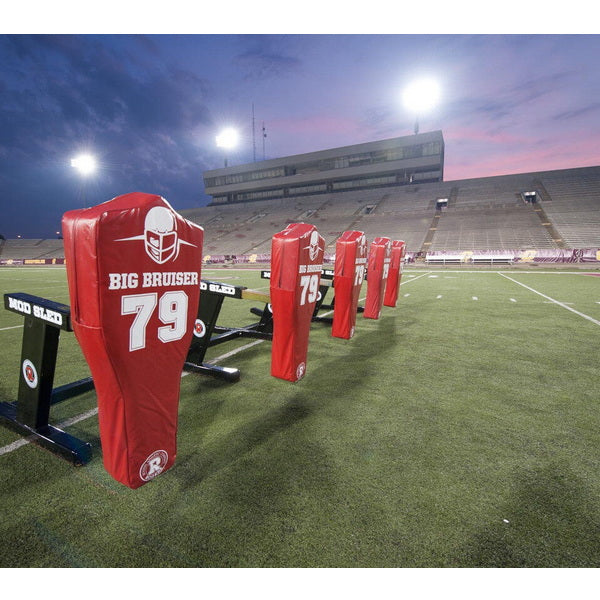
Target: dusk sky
x=149, y=108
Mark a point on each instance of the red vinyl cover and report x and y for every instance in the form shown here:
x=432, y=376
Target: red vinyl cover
x=133, y=269
x=296, y=263
x=349, y=272
x=377, y=273
x=395, y=273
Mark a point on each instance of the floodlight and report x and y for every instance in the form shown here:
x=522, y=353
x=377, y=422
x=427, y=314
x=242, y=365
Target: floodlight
x=84, y=163
x=228, y=138
x=421, y=95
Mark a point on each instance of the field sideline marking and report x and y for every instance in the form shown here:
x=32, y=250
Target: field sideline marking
x=551, y=299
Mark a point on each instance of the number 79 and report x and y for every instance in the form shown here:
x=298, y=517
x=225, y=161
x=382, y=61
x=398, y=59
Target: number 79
x=310, y=288
x=172, y=311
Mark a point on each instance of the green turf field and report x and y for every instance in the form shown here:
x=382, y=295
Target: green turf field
x=461, y=429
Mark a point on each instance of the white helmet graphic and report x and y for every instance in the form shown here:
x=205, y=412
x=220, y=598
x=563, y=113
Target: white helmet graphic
x=362, y=245
x=160, y=235
x=313, y=248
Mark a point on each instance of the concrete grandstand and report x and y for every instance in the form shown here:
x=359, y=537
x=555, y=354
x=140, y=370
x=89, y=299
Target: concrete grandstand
x=548, y=212
x=550, y=216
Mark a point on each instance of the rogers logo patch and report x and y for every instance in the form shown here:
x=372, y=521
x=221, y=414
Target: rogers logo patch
x=30, y=374
x=199, y=328
x=154, y=465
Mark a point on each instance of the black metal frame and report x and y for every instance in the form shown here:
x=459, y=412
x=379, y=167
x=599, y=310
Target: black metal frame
x=29, y=414
x=212, y=295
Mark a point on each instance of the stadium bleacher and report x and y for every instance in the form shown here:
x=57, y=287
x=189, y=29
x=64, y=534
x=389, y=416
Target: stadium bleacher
x=493, y=227
x=519, y=212
x=573, y=205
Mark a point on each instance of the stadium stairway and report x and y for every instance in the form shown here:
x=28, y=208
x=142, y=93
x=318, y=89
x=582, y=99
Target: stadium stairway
x=430, y=233
x=360, y=213
x=434, y=224
x=547, y=224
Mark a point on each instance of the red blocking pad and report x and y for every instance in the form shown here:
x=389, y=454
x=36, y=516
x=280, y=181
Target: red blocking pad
x=296, y=263
x=349, y=272
x=377, y=272
x=133, y=269
x=395, y=273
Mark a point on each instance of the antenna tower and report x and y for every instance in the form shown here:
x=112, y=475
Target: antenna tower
x=253, y=136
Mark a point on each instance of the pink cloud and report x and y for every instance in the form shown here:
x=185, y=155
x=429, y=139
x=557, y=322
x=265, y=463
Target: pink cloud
x=471, y=134
x=470, y=153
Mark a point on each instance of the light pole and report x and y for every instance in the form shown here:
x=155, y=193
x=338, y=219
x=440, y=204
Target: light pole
x=421, y=96
x=227, y=140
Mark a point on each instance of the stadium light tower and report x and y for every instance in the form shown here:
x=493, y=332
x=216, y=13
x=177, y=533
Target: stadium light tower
x=421, y=96
x=227, y=140
x=85, y=164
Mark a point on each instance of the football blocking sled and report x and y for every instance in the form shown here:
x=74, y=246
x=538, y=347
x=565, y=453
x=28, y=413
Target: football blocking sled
x=296, y=263
x=377, y=267
x=349, y=272
x=133, y=270
x=395, y=273
x=288, y=352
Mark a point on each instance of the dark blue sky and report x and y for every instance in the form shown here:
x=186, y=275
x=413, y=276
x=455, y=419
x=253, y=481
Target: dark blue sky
x=149, y=108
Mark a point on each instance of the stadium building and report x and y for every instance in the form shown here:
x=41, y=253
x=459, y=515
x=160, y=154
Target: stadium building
x=396, y=161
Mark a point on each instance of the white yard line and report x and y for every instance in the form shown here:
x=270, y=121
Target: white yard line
x=15, y=445
x=66, y=423
x=233, y=352
x=515, y=272
x=418, y=277
x=12, y=327
x=561, y=304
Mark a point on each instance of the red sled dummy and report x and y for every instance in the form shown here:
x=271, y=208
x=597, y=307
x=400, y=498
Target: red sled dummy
x=349, y=272
x=133, y=268
x=395, y=273
x=377, y=273
x=296, y=263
